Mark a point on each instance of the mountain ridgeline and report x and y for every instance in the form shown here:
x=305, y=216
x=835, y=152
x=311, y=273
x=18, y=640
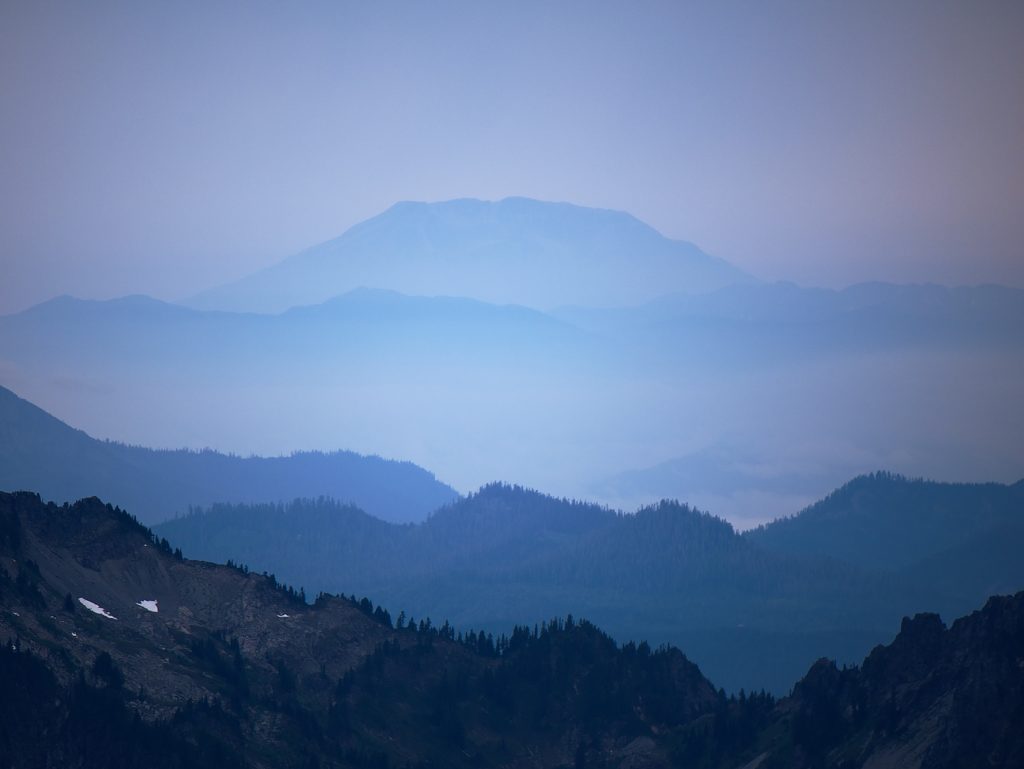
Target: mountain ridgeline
x=116, y=651
x=377, y=371
x=750, y=611
x=571, y=349
x=39, y=452
x=884, y=521
x=512, y=251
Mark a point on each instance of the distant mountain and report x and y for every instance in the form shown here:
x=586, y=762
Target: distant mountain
x=748, y=615
x=780, y=323
x=38, y=451
x=741, y=327
x=752, y=400
x=119, y=652
x=513, y=251
x=366, y=336
x=151, y=332
x=983, y=307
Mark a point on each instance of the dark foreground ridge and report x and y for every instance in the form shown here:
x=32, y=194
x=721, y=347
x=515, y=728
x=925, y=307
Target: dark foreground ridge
x=119, y=652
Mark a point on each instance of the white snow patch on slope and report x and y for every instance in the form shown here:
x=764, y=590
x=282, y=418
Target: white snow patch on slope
x=282, y=616
x=96, y=608
x=148, y=605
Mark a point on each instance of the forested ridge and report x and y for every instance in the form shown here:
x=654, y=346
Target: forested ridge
x=749, y=612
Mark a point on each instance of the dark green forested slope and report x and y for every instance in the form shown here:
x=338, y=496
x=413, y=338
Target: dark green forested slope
x=947, y=543
x=750, y=615
x=888, y=522
x=505, y=538
x=41, y=453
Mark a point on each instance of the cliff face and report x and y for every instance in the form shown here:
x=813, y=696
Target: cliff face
x=84, y=582
x=934, y=697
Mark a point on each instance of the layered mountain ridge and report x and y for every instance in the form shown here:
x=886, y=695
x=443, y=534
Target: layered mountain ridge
x=749, y=611
x=119, y=652
x=681, y=397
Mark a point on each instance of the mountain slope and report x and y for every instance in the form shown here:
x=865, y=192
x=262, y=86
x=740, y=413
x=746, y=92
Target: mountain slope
x=748, y=615
x=751, y=614
x=213, y=666
x=38, y=451
x=245, y=669
x=934, y=697
x=513, y=251
x=885, y=521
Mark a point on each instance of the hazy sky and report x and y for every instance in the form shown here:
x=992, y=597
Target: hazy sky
x=165, y=147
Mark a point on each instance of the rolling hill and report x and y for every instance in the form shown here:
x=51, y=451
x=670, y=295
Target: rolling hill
x=749, y=614
x=38, y=451
x=887, y=522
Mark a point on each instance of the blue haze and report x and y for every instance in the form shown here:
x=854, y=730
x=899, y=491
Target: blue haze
x=153, y=154
x=164, y=148
x=750, y=399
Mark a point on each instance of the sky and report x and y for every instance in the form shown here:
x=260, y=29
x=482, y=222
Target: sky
x=163, y=148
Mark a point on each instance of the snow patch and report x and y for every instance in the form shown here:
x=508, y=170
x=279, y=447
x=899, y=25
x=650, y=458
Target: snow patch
x=148, y=605
x=74, y=634
x=282, y=616
x=96, y=608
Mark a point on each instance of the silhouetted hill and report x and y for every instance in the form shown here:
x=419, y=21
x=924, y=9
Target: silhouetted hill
x=117, y=652
x=947, y=543
x=748, y=615
x=513, y=251
x=888, y=522
x=38, y=451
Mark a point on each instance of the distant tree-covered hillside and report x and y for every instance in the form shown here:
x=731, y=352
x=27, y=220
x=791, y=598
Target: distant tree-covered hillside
x=947, y=543
x=886, y=521
x=749, y=614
